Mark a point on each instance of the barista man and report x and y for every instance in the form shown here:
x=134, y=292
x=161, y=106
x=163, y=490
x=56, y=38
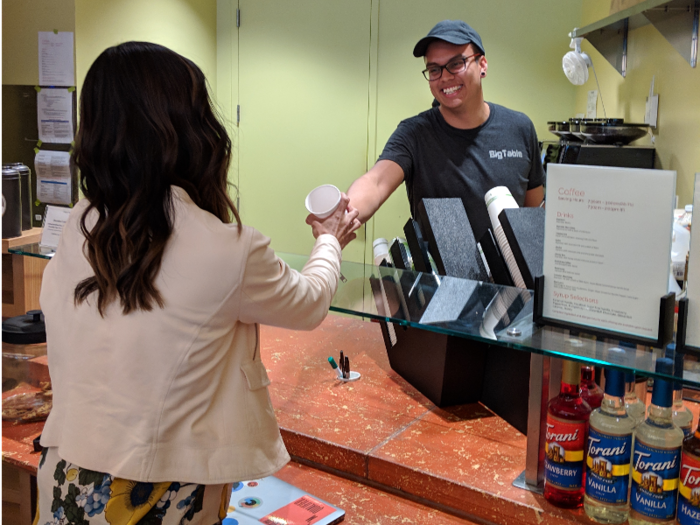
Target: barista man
x=461, y=148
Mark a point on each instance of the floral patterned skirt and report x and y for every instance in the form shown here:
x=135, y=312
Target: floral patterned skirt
x=70, y=495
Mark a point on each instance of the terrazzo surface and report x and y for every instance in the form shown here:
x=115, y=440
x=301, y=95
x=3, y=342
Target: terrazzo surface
x=381, y=429
x=364, y=505
x=379, y=432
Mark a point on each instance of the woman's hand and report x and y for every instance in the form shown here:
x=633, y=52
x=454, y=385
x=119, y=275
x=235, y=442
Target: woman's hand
x=342, y=223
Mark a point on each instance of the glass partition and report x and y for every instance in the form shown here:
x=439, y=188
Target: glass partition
x=485, y=312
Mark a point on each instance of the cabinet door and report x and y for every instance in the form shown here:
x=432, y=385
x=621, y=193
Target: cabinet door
x=303, y=94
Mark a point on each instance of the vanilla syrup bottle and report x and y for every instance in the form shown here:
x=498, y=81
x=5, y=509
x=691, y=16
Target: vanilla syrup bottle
x=656, y=458
x=635, y=407
x=608, y=455
x=567, y=430
x=682, y=416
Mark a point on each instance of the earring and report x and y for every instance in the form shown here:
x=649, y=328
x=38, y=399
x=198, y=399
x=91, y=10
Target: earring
x=483, y=74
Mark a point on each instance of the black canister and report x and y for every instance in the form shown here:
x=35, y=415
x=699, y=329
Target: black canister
x=11, y=204
x=25, y=183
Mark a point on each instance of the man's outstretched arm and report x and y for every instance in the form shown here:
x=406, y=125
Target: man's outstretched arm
x=371, y=190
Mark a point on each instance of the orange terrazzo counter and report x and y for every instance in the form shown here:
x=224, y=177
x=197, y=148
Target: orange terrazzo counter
x=379, y=433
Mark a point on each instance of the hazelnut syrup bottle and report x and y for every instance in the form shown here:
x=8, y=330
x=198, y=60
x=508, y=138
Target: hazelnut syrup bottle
x=590, y=390
x=567, y=431
x=688, y=511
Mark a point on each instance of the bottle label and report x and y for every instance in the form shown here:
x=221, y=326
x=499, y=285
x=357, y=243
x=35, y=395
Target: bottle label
x=564, y=453
x=608, y=466
x=689, y=490
x=655, y=474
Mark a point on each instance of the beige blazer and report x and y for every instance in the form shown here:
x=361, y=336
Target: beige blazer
x=178, y=393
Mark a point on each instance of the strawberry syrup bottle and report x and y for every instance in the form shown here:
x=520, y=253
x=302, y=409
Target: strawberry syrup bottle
x=567, y=432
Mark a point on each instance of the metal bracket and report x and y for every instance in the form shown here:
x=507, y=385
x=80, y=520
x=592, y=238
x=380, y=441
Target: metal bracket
x=676, y=20
x=545, y=377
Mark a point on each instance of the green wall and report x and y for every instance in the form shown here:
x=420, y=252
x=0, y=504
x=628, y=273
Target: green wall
x=185, y=26
x=677, y=136
x=21, y=21
x=323, y=83
x=524, y=43
x=364, y=81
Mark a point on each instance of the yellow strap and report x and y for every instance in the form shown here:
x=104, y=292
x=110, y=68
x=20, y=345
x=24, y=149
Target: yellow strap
x=685, y=491
x=570, y=456
x=669, y=484
x=617, y=470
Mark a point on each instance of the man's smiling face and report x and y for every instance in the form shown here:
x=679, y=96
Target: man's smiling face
x=455, y=92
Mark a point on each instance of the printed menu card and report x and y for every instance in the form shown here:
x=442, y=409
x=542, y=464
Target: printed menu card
x=692, y=336
x=607, y=246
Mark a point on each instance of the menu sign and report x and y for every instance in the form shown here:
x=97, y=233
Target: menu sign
x=607, y=246
x=692, y=336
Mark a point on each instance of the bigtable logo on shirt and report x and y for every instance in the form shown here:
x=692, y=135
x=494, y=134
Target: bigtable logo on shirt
x=689, y=491
x=608, y=466
x=564, y=453
x=655, y=480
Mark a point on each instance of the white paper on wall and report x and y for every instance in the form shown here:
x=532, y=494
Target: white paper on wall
x=56, y=62
x=55, y=115
x=53, y=178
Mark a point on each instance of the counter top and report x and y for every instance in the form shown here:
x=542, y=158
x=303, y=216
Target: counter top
x=378, y=432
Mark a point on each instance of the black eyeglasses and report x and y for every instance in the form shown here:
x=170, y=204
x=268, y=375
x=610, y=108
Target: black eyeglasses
x=454, y=66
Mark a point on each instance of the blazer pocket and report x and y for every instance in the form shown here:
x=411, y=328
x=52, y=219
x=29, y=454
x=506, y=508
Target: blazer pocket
x=255, y=374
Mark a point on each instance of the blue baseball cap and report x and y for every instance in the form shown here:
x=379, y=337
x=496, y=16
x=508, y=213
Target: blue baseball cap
x=452, y=31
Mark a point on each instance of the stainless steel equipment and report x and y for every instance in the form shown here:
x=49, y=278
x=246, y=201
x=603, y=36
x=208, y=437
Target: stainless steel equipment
x=621, y=133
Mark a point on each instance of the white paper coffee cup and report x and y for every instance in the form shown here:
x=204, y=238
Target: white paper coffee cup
x=323, y=201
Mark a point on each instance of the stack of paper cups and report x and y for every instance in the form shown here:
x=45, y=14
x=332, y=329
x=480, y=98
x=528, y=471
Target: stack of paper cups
x=381, y=250
x=498, y=199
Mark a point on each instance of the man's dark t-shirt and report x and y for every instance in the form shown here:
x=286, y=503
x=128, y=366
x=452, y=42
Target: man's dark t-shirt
x=441, y=161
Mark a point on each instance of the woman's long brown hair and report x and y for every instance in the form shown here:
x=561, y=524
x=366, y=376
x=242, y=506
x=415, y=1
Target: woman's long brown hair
x=146, y=123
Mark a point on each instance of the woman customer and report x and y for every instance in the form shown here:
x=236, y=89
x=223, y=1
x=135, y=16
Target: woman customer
x=152, y=307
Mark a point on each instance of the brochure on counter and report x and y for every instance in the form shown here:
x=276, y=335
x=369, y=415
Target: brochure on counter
x=607, y=246
x=272, y=501
x=692, y=336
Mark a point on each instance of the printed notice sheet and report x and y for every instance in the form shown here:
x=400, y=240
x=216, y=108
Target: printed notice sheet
x=54, y=221
x=53, y=179
x=55, y=115
x=56, y=64
x=692, y=336
x=607, y=246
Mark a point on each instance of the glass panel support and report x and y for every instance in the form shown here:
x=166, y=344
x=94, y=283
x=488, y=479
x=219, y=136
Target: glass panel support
x=545, y=378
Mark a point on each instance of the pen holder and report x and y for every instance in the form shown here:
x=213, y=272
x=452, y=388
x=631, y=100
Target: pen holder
x=354, y=376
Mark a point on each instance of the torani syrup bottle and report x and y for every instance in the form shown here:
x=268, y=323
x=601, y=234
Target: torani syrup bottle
x=608, y=455
x=688, y=512
x=567, y=430
x=682, y=416
x=590, y=391
x=635, y=407
x=656, y=458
